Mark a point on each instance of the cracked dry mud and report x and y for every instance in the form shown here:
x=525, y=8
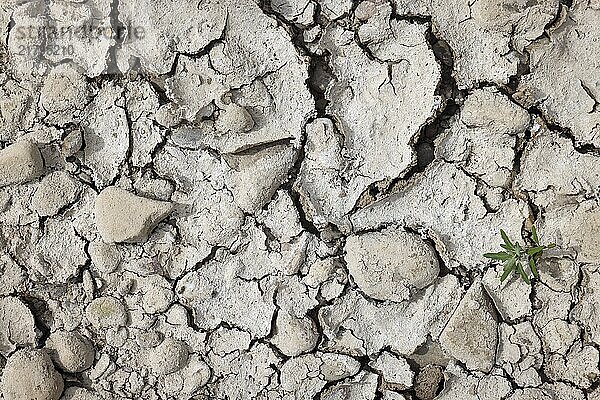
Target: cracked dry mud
x=290, y=199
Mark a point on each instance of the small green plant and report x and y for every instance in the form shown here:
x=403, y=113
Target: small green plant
x=514, y=256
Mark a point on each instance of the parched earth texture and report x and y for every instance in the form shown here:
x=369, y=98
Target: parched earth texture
x=291, y=199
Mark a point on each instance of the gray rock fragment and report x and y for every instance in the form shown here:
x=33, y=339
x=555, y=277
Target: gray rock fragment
x=157, y=294
x=105, y=257
x=29, y=374
x=17, y=326
x=471, y=334
x=54, y=192
x=71, y=351
x=294, y=336
x=395, y=370
x=122, y=216
x=168, y=357
x=428, y=381
x=64, y=94
x=387, y=264
x=511, y=297
x=300, y=12
x=19, y=163
x=106, y=312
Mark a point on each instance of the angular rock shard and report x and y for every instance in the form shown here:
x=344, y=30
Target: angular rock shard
x=122, y=216
x=471, y=335
x=17, y=326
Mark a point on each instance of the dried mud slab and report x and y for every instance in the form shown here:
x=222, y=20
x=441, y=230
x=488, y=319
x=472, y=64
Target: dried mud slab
x=570, y=101
x=291, y=199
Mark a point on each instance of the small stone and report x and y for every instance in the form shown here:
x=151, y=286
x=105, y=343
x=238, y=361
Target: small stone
x=30, y=375
x=390, y=395
x=168, y=357
x=106, y=312
x=64, y=91
x=17, y=326
x=105, y=257
x=386, y=265
x=177, y=315
x=19, y=163
x=158, y=294
x=148, y=339
x=471, y=335
x=122, y=216
x=428, y=382
x=55, y=191
x=234, y=119
x=510, y=297
x=300, y=12
x=295, y=336
x=70, y=351
x=72, y=143
x=338, y=366
x=394, y=369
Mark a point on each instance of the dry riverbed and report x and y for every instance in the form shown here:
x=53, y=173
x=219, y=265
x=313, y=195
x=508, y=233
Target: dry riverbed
x=291, y=199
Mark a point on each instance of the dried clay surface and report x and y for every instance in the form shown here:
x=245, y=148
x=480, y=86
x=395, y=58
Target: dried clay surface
x=291, y=199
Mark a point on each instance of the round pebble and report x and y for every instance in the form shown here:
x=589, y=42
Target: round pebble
x=30, y=375
x=168, y=357
x=106, y=312
x=70, y=351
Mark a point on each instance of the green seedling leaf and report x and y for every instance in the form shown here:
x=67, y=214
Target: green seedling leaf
x=534, y=250
x=522, y=273
x=507, y=241
x=534, y=235
x=518, y=249
x=502, y=256
x=509, y=266
x=515, y=256
x=533, y=268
